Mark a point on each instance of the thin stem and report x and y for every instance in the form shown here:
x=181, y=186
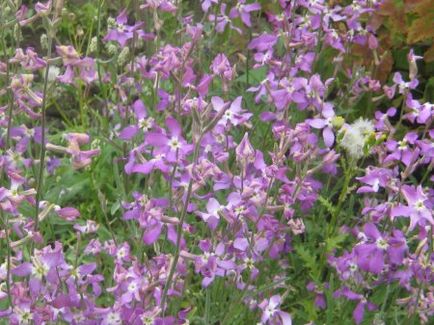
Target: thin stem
x=98, y=54
x=180, y=226
x=9, y=91
x=348, y=175
x=4, y=217
x=5, y=221
x=207, y=305
x=43, y=127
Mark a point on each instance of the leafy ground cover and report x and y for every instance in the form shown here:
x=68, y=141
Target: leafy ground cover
x=216, y=162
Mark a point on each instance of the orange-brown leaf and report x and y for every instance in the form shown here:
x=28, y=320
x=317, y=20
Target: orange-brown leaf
x=421, y=29
x=429, y=54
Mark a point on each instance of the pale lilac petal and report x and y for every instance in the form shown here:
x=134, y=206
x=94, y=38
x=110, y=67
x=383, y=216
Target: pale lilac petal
x=329, y=137
x=24, y=269
x=152, y=233
x=139, y=109
x=173, y=126
x=241, y=244
x=128, y=133
x=286, y=318
x=156, y=139
x=317, y=123
x=359, y=312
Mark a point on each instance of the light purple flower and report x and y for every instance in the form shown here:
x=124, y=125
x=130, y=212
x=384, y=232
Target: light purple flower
x=326, y=125
x=271, y=312
x=418, y=207
x=243, y=11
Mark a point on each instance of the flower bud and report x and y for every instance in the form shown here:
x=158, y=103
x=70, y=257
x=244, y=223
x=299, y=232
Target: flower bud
x=245, y=151
x=111, y=23
x=44, y=41
x=338, y=121
x=412, y=64
x=123, y=56
x=93, y=45
x=111, y=48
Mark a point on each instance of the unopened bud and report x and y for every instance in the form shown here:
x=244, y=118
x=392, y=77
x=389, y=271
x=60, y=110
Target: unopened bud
x=93, y=45
x=123, y=56
x=111, y=48
x=80, y=31
x=44, y=41
x=111, y=23
x=338, y=121
x=17, y=32
x=245, y=151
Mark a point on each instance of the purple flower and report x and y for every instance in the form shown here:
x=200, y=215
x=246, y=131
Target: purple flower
x=43, y=8
x=220, y=66
x=262, y=43
x=222, y=20
x=374, y=178
x=245, y=152
x=206, y=4
x=370, y=251
x=233, y=116
x=173, y=145
x=362, y=305
x=418, y=207
x=211, y=217
x=121, y=32
x=419, y=113
x=403, y=86
x=326, y=125
x=320, y=299
x=243, y=11
x=143, y=122
x=290, y=91
x=402, y=151
x=163, y=5
x=68, y=214
x=29, y=60
x=271, y=314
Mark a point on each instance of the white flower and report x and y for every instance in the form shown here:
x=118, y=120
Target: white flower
x=53, y=73
x=363, y=126
x=355, y=136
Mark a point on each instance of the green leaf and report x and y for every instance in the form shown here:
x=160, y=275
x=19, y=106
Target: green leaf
x=309, y=261
x=327, y=204
x=334, y=242
x=255, y=76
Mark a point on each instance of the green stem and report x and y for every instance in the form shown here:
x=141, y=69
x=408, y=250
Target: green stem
x=40, y=179
x=348, y=175
x=4, y=217
x=5, y=221
x=207, y=305
x=179, y=229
